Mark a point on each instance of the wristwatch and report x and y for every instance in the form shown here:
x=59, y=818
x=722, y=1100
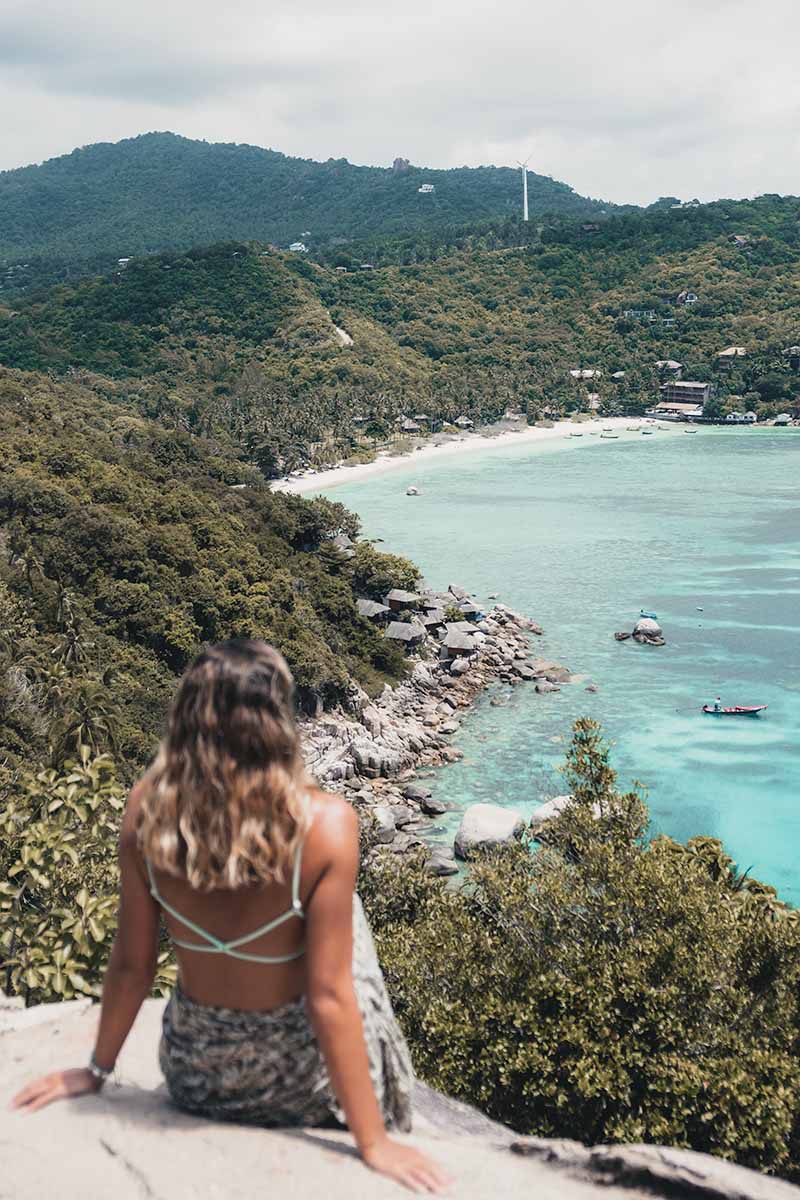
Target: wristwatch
x=101, y=1074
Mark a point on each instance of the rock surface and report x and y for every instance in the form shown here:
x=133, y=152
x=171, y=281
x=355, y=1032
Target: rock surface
x=129, y=1143
x=486, y=825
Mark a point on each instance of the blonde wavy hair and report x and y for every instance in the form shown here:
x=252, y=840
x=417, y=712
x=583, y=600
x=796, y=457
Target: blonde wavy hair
x=224, y=803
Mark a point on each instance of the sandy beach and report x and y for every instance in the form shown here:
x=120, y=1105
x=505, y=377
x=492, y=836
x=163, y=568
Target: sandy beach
x=465, y=444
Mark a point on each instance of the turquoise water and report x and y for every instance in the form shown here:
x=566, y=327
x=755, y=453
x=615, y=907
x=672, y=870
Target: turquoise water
x=581, y=535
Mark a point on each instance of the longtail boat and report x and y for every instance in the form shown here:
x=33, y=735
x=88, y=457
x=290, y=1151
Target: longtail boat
x=738, y=710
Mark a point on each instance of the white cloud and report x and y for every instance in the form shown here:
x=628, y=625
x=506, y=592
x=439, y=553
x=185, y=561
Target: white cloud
x=625, y=100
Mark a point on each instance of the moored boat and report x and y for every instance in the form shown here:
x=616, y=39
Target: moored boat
x=737, y=710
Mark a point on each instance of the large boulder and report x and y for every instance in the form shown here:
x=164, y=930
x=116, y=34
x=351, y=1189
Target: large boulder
x=648, y=627
x=385, y=826
x=486, y=825
x=545, y=813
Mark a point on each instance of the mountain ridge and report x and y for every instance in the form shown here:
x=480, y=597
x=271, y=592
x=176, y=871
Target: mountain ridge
x=161, y=191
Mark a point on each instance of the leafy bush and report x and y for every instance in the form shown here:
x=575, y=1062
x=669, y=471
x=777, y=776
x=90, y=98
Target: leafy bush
x=603, y=988
x=59, y=889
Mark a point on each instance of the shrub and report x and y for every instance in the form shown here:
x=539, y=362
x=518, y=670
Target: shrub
x=59, y=881
x=603, y=988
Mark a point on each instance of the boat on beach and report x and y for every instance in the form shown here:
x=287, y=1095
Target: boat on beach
x=737, y=710
x=608, y=436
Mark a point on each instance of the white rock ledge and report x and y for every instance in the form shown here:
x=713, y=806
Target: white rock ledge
x=130, y=1144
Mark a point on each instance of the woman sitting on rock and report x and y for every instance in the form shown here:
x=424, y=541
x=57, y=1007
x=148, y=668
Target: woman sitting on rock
x=280, y=1015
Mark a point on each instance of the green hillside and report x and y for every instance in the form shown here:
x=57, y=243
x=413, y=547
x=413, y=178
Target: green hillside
x=124, y=547
x=273, y=351
x=160, y=191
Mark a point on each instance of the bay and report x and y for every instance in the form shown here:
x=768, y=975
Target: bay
x=581, y=535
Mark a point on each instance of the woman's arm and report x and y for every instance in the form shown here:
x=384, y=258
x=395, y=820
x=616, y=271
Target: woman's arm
x=333, y=1007
x=128, y=979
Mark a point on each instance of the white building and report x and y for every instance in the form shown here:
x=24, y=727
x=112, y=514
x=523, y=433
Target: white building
x=299, y=247
x=426, y=189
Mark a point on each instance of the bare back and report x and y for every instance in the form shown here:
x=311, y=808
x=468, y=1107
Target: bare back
x=223, y=981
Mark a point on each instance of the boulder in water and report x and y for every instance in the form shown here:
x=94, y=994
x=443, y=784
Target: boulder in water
x=486, y=825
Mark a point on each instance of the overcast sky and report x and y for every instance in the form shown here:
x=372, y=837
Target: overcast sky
x=624, y=101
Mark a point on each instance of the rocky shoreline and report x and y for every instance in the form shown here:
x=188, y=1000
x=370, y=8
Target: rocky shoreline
x=374, y=752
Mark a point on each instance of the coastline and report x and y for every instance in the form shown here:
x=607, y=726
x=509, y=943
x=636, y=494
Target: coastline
x=466, y=443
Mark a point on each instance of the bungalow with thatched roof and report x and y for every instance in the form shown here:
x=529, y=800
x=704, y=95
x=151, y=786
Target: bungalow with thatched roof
x=458, y=645
x=434, y=619
x=409, y=426
x=409, y=636
x=400, y=601
x=471, y=611
x=373, y=611
x=464, y=423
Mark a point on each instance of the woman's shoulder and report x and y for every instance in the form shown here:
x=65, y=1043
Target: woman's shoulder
x=331, y=815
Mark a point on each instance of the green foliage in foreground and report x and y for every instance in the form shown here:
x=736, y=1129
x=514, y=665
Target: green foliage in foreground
x=605, y=988
x=59, y=881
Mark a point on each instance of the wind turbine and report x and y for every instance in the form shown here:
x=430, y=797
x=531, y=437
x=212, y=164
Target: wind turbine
x=524, y=168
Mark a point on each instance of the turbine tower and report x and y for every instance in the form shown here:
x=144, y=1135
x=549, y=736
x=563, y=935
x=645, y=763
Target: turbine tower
x=524, y=168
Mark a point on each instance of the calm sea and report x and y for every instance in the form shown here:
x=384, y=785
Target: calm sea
x=703, y=530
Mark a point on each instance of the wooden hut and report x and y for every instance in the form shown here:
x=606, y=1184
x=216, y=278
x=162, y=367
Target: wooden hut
x=409, y=636
x=373, y=611
x=400, y=601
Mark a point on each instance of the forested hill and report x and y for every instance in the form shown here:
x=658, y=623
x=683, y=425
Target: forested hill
x=160, y=191
x=125, y=545
x=276, y=352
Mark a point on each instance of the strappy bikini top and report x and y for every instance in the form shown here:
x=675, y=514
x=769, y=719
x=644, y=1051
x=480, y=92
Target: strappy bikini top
x=231, y=949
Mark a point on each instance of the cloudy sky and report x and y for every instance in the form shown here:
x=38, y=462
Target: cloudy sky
x=625, y=101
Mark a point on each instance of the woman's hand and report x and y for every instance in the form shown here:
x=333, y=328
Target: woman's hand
x=61, y=1085
x=406, y=1165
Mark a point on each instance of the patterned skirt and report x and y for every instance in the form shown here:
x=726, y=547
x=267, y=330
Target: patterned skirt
x=266, y=1068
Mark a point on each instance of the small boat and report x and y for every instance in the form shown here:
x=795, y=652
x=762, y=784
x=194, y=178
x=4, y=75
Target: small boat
x=576, y=435
x=650, y=616
x=608, y=436
x=690, y=431
x=738, y=710
x=648, y=432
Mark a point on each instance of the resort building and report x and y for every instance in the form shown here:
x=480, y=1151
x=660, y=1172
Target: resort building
x=299, y=248
x=464, y=423
x=685, y=391
x=792, y=356
x=686, y=297
x=409, y=426
x=668, y=366
x=426, y=189
x=585, y=373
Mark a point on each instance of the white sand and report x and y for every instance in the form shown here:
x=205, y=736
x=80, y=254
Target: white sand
x=463, y=445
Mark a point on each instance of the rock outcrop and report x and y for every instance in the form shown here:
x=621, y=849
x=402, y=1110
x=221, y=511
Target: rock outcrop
x=484, y=826
x=129, y=1143
x=372, y=750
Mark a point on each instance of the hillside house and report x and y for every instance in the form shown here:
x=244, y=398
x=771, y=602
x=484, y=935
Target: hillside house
x=400, y=601
x=590, y=227
x=373, y=611
x=298, y=248
x=344, y=545
x=783, y=419
x=421, y=418
x=407, y=635
x=585, y=373
x=464, y=423
x=727, y=357
x=640, y=314
x=668, y=366
x=686, y=297
x=426, y=189
x=367, y=267
x=593, y=401
x=618, y=376
x=409, y=426
x=792, y=356
x=739, y=240
x=122, y=263
x=341, y=270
